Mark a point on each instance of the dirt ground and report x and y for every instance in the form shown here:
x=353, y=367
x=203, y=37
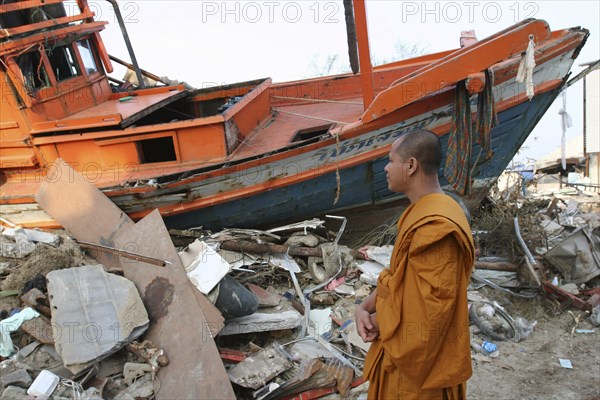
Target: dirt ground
x=530, y=369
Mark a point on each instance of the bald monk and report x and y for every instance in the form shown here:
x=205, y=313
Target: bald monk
x=417, y=318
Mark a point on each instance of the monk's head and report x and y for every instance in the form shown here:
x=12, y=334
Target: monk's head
x=415, y=159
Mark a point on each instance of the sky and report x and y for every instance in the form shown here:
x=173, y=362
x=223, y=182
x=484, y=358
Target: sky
x=206, y=43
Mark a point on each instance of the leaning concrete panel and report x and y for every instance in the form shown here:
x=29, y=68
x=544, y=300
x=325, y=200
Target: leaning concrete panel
x=177, y=323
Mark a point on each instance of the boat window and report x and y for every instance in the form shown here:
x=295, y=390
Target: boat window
x=87, y=56
x=63, y=62
x=156, y=150
x=33, y=70
x=310, y=133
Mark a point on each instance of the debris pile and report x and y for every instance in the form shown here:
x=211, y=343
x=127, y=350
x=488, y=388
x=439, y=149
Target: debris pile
x=157, y=313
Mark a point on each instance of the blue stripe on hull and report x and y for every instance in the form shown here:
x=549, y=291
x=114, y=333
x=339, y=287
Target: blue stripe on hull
x=360, y=185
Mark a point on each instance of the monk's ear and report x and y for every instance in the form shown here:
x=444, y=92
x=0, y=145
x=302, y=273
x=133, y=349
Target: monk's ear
x=413, y=165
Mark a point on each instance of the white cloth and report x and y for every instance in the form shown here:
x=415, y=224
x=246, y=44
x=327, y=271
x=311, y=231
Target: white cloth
x=525, y=73
x=11, y=324
x=566, y=122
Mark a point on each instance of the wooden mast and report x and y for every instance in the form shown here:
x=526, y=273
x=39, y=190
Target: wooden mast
x=362, y=36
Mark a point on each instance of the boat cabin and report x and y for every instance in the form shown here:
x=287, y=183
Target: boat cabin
x=58, y=100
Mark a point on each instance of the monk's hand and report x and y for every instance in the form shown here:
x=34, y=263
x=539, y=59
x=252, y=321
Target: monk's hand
x=364, y=325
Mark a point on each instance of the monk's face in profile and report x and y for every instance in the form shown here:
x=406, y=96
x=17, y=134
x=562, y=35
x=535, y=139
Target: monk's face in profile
x=396, y=169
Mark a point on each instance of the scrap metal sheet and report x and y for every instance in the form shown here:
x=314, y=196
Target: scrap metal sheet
x=177, y=324
x=83, y=210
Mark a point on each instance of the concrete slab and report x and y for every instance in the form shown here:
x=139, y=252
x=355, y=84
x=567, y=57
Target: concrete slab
x=94, y=314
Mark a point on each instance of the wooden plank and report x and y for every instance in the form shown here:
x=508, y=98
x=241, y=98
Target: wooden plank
x=24, y=5
x=177, y=323
x=45, y=24
x=83, y=210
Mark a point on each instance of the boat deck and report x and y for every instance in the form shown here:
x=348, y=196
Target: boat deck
x=291, y=118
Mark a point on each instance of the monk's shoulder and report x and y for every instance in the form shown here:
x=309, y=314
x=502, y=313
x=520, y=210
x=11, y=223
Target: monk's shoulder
x=435, y=231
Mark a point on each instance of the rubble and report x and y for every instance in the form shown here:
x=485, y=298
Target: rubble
x=19, y=378
x=255, y=371
x=250, y=289
x=262, y=322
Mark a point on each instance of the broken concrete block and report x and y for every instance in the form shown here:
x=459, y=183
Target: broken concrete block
x=34, y=235
x=14, y=392
x=94, y=314
x=16, y=245
x=18, y=378
x=5, y=267
x=30, y=348
x=255, y=371
x=595, y=317
x=132, y=371
x=143, y=388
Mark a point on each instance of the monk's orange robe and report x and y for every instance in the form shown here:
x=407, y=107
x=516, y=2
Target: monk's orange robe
x=423, y=349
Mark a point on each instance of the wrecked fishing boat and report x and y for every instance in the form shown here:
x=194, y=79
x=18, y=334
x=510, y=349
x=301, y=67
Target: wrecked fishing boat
x=255, y=153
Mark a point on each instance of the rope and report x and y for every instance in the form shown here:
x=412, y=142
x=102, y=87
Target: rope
x=308, y=116
x=525, y=73
x=566, y=122
x=338, y=179
x=318, y=101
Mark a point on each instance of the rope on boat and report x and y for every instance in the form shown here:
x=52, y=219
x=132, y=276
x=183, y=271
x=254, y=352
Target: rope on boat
x=311, y=117
x=338, y=179
x=318, y=101
x=525, y=73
